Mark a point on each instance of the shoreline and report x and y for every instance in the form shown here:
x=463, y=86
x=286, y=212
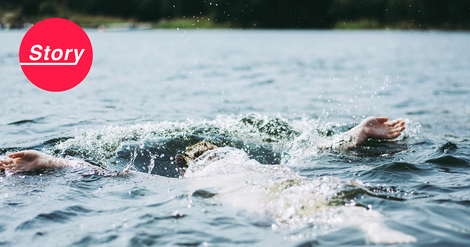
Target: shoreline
x=204, y=22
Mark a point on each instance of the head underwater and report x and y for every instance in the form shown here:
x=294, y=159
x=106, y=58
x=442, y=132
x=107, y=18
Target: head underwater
x=191, y=153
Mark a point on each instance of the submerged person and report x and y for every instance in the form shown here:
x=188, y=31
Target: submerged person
x=290, y=199
x=30, y=160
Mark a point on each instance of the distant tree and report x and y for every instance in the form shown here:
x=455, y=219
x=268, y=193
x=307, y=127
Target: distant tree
x=30, y=7
x=273, y=13
x=264, y=13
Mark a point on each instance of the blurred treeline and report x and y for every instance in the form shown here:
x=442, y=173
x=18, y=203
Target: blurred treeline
x=417, y=14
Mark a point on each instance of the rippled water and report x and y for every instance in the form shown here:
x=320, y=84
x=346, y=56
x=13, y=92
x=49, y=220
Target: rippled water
x=271, y=95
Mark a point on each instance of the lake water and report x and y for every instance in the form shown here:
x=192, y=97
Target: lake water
x=273, y=94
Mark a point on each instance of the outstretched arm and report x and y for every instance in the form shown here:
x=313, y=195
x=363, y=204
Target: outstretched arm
x=375, y=127
x=30, y=160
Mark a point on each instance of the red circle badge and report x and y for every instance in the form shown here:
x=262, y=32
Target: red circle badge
x=56, y=54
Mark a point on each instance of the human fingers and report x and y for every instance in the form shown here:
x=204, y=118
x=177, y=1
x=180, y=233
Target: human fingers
x=17, y=154
x=396, y=129
x=392, y=123
x=4, y=163
x=382, y=119
x=395, y=132
x=396, y=122
x=10, y=166
x=400, y=122
x=399, y=127
x=394, y=135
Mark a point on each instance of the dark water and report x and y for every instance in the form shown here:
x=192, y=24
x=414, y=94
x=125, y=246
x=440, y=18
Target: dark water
x=274, y=94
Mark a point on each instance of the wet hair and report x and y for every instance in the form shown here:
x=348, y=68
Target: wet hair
x=180, y=162
x=192, y=153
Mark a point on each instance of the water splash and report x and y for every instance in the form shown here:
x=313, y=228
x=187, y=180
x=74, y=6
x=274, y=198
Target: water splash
x=291, y=200
x=267, y=139
x=412, y=129
x=258, y=135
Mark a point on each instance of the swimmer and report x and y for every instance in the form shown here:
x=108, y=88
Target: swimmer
x=235, y=174
x=30, y=160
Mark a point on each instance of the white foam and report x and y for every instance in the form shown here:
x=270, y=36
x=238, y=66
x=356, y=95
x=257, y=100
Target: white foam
x=292, y=200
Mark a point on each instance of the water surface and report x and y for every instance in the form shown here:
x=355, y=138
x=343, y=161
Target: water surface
x=273, y=94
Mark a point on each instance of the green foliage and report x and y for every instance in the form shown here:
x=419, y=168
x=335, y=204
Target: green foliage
x=49, y=8
x=360, y=24
x=404, y=14
x=454, y=14
x=191, y=23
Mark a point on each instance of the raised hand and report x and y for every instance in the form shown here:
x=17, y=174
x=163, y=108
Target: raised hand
x=377, y=127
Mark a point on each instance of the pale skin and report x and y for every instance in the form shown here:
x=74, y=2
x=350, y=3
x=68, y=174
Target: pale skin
x=371, y=127
x=30, y=160
x=376, y=128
